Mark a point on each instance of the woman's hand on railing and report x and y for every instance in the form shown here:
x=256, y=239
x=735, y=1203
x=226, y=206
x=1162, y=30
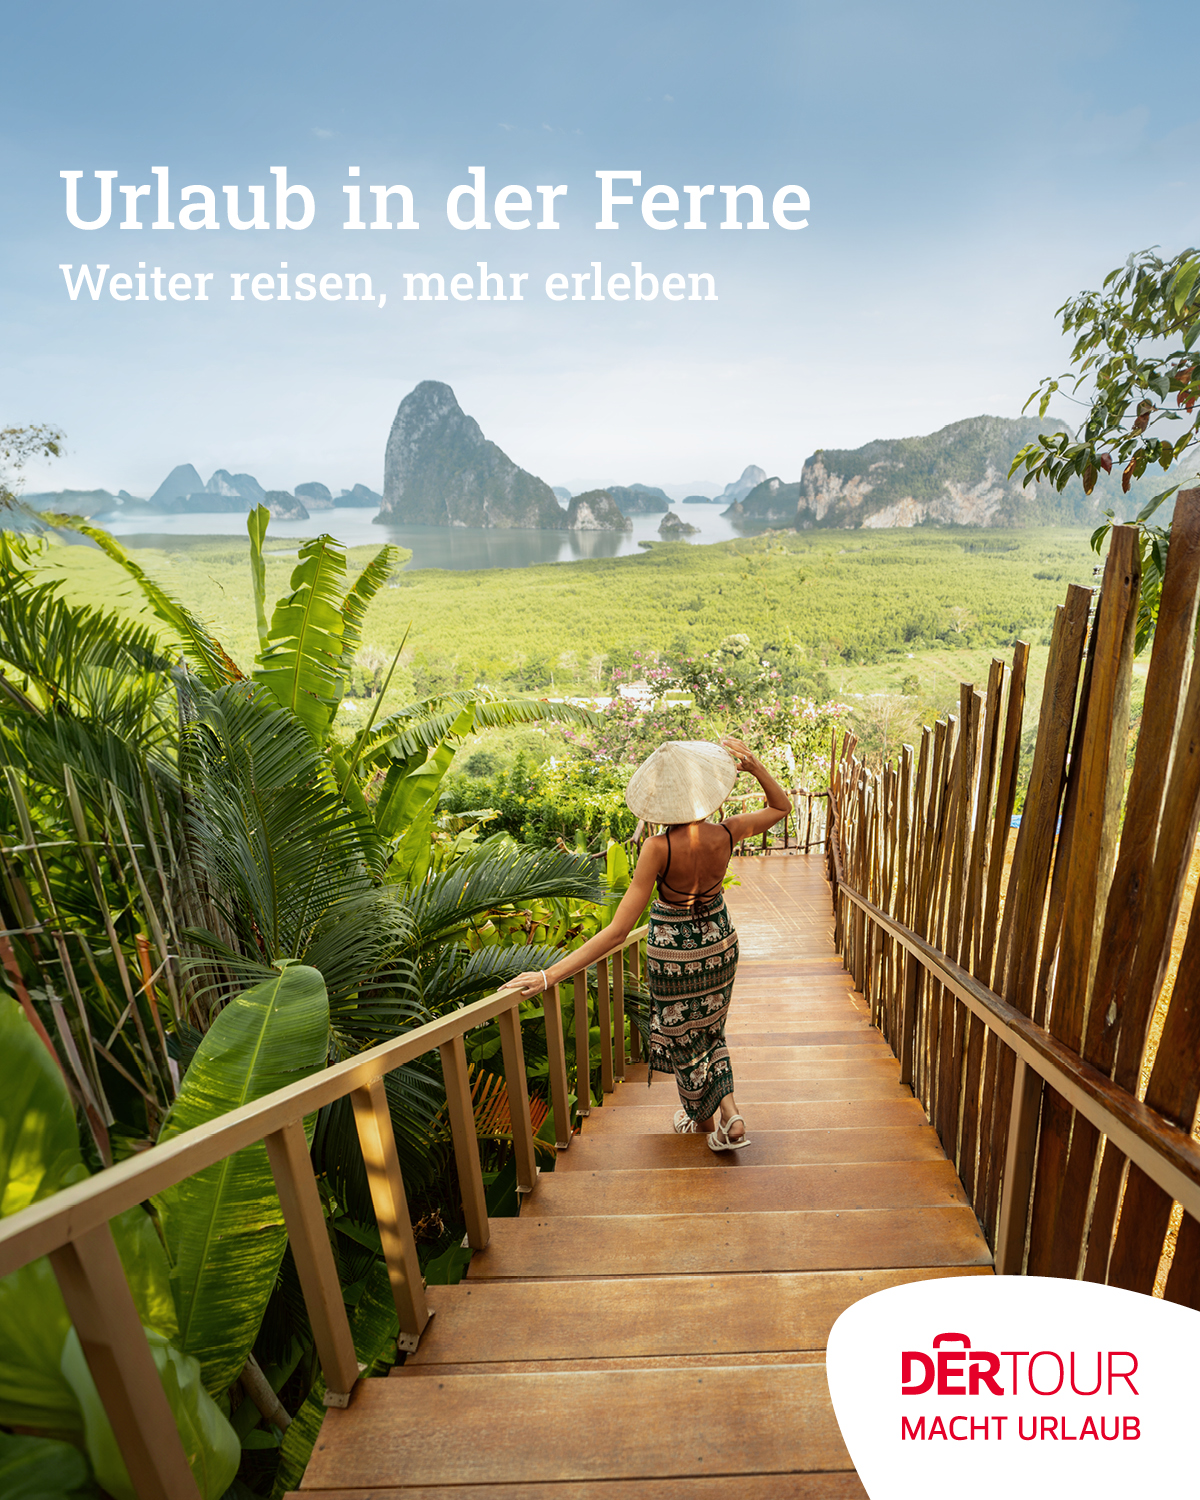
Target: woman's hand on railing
x=531, y=983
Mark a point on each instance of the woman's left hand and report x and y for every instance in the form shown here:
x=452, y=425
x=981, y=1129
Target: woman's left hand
x=530, y=983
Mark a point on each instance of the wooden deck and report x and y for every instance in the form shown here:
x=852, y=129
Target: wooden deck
x=653, y=1326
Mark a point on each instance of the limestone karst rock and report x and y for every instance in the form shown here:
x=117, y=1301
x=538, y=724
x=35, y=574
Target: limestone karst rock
x=957, y=476
x=596, y=510
x=772, y=500
x=673, y=528
x=359, y=498
x=639, y=499
x=314, y=496
x=440, y=470
x=182, y=480
x=750, y=476
x=284, y=507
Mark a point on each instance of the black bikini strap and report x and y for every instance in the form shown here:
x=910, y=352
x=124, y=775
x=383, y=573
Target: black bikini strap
x=667, y=866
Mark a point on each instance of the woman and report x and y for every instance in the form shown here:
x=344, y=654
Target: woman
x=691, y=954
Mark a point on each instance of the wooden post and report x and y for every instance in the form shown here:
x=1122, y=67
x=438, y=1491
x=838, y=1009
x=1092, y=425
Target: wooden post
x=291, y=1166
x=517, y=1088
x=1018, y=1170
x=808, y=825
x=618, y=999
x=556, y=1053
x=583, y=1049
x=378, y=1142
x=604, y=1018
x=102, y=1309
x=466, y=1142
x=635, y=1036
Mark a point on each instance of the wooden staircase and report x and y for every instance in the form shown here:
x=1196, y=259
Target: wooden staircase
x=654, y=1324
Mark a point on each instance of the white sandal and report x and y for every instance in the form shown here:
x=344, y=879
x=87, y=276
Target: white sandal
x=684, y=1124
x=718, y=1139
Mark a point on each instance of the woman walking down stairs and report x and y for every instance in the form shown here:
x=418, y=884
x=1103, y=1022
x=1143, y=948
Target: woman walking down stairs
x=654, y=1323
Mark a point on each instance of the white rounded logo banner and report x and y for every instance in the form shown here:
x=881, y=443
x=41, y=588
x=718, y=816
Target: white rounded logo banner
x=995, y=1386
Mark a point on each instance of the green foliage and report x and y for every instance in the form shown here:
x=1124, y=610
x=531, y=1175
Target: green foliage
x=213, y=1451
x=814, y=603
x=44, y=1380
x=34, y=1468
x=1138, y=387
x=223, y=1227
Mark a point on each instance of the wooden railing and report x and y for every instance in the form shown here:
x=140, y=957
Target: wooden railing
x=72, y=1226
x=1027, y=1007
x=814, y=820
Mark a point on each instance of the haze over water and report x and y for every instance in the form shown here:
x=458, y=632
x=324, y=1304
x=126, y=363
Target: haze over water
x=453, y=547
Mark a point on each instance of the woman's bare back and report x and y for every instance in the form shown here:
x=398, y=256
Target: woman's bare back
x=692, y=861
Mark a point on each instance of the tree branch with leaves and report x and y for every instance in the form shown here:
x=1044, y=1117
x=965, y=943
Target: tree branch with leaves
x=1134, y=343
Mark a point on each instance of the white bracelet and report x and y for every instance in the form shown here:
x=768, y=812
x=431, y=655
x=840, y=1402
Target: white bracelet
x=545, y=981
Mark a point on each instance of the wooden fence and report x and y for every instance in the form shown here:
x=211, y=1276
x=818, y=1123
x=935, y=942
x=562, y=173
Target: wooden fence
x=72, y=1226
x=1026, y=1003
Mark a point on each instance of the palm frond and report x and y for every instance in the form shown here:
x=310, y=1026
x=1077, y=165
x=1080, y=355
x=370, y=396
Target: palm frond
x=198, y=644
x=423, y=724
x=498, y=874
x=276, y=841
x=461, y=975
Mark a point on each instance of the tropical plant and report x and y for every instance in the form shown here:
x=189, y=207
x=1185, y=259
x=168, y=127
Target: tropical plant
x=1135, y=345
x=205, y=829
x=45, y=1385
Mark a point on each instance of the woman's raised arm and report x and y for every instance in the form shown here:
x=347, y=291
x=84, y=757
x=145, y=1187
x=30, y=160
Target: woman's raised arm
x=779, y=804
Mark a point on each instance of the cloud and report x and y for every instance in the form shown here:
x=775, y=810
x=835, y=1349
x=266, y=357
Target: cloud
x=322, y=135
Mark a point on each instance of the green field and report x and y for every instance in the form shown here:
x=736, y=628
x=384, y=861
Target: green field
x=852, y=612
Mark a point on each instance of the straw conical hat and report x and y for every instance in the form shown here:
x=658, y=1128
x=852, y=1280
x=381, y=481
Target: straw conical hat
x=682, y=781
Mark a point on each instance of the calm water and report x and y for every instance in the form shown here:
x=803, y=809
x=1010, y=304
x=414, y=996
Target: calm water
x=448, y=546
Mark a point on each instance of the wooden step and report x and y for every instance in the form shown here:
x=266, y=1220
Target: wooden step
x=613, y=1319
x=634, y=1120
x=802, y=1062
x=772, y=1090
x=629, y=1424
x=837, y=1486
x=797, y=1036
x=663, y=1152
x=633, y=1362
x=704, y=1244
x=751, y=1189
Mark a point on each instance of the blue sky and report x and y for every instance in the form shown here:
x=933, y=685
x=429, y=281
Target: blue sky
x=969, y=166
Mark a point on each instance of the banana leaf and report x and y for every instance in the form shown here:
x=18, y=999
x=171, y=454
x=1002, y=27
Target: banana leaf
x=39, y=1154
x=44, y=1380
x=616, y=869
x=359, y=595
x=212, y=1447
x=256, y=525
x=301, y=665
x=223, y=1227
x=373, y=1327
x=33, y=1468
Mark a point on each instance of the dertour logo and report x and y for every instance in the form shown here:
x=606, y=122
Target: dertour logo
x=952, y=1367
x=996, y=1385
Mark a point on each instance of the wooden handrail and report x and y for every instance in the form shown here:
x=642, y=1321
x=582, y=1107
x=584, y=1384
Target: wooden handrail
x=72, y=1226
x=1167, y=1155
x=44, y=1226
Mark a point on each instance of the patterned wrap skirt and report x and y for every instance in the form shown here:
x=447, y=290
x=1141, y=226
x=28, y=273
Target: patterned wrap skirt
x=691, y=960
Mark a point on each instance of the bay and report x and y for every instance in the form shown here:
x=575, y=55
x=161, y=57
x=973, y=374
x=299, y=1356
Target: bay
x=453, y=547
